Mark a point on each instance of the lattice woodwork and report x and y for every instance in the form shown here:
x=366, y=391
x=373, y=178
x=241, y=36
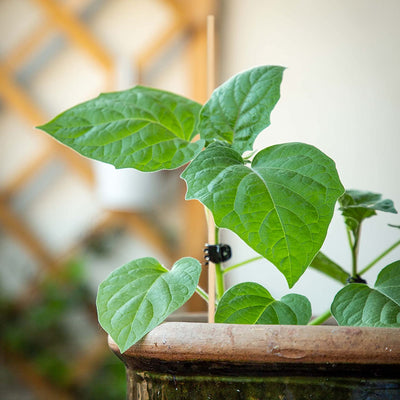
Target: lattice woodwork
x=189, y=21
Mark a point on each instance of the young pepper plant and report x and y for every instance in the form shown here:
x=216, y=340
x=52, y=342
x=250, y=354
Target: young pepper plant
x=280, y=203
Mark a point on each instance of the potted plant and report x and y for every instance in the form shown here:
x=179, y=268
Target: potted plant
x=280, y=201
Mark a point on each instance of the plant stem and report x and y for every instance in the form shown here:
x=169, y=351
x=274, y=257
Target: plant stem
x=219, y=282
x=232, y=267
x=348, y=231
x=322, y=318
x=354, y=252
x=202, y=293
x=377, y=259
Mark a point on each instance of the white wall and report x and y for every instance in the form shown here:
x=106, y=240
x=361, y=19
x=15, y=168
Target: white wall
x=340, y=93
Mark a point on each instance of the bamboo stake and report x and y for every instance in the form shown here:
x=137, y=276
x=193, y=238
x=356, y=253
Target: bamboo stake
x=210, y=54
x=210, y=220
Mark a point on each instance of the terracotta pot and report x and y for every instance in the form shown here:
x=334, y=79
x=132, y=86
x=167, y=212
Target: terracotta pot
x=179, y=360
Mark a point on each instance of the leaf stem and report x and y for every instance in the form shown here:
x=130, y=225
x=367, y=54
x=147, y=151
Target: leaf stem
x=322, y=318
x=232, y=267
x=219, y=281
x=377, y=259
x=202, y=293
x=354, y=251
x=348, y=231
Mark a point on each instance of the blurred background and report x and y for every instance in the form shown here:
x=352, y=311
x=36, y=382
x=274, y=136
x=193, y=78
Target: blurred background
x=66, y=222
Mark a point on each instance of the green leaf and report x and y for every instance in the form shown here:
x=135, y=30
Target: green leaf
x=240, y=109
x=251, y=303
x=142, y=128
x=359, y=305
x=300, y=305
x=357, y=205
x=281, y=206
x=138, y=296
x=325, y=265
x=388, y=282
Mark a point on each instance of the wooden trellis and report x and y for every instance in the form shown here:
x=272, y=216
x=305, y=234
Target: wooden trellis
x=188, y=22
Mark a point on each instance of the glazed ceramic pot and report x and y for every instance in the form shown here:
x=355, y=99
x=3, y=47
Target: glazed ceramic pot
x=180, y=360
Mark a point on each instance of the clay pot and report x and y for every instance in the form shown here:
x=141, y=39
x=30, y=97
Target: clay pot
x=179, y=360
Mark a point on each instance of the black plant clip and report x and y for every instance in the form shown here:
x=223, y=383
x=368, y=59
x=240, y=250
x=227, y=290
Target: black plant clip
x=217, y=253
x=356, y=279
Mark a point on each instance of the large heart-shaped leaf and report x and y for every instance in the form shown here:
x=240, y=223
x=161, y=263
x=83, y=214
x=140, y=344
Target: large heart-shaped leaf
x=138, y=296
x=240, y=109
x=143, y=128
x=280, y=206
x=251, y=303
x=359, y=305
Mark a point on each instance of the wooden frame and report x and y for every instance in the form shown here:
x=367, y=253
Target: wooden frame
x=189, y=22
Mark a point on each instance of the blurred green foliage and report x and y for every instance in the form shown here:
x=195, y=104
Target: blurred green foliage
x=43, y=330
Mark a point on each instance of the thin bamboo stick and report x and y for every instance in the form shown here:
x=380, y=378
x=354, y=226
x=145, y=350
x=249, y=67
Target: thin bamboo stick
x=210, y=54
x=210, y=220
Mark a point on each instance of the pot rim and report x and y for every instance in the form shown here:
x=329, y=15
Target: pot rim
x=185, y=341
